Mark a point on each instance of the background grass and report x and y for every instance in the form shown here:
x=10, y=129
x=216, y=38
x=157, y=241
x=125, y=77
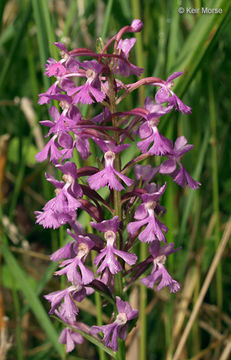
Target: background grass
x=200, y=45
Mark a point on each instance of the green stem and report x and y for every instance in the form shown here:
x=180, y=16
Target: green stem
x=142, y=309
x=215, y=189
x=143, y=249
x=61, y=244
x=18, y=320
x=98, y=302
x=118, y=283
x=99, y=317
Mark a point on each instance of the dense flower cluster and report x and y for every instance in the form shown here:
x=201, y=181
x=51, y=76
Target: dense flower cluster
x=111, y=132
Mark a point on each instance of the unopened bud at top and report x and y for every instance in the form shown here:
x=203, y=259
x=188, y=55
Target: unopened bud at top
x=137, y=25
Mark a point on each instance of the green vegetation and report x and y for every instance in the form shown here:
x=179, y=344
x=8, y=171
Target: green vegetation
x=198, y=44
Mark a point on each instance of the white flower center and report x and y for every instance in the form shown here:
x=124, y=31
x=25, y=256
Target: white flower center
x=68, y=179
x=82, y=250
x=150, y=205
x=90, y=74
x=121, y=319
x=109, y=157
x=75, y=288
x=110, y=236
x=64, y=105
x=57, y=191
x=154, y=122
x=160, y=260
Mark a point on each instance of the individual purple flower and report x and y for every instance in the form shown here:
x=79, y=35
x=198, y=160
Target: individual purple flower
x=45, y=98
x=90, y=91
x=54, y=68
x=145, y=215
x=159, y=274
x=155, y=111
x=70, y=338
x=65, y=122
x=125, y=68
x=145, y=172
x=179, y=175
x=77, y=273
x=70, y=63
x=107, y=256
x=154, y=143
x=52, y=149
x=108, y=176
x=62, y=208
x=70, y=249
x=119, y=328
x=165, y=94
x=68, y=296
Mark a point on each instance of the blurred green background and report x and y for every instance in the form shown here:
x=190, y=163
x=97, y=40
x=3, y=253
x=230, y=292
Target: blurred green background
x=198, y=44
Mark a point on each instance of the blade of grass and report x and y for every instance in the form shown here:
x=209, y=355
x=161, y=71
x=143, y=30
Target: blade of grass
x=19, y=180
x=107, y=18
x=171, y=214
x=18, y=320
x=204, y=289
x=212, y=116
x=31, y=298
x=25, y=16
x=41, y=35
x=69, y=17
x=173, y=42
x=44, y=5
x=196, y=47
x=191, y=194
x=2, y=6
x=189, y=202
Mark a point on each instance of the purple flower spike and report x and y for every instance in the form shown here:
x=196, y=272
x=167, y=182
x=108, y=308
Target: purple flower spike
x=180, y=175
x=118, y=329
x=159, y=274
x=107, y=176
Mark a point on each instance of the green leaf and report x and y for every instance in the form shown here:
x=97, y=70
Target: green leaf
x=33, y=301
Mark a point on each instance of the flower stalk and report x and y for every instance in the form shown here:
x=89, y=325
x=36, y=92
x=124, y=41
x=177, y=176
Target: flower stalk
x=132, y=211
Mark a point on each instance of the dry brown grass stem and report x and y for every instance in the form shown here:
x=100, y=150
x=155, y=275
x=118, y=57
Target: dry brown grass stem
x=204, y=289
